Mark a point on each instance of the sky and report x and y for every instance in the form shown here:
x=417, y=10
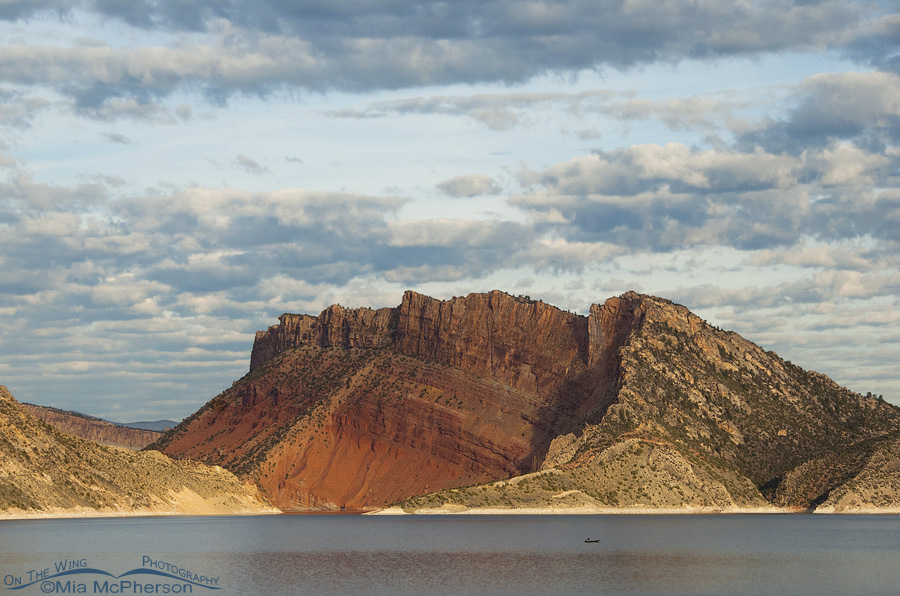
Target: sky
x=175, y=174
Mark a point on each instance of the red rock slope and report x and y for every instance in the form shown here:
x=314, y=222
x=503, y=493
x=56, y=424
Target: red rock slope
x=94, y=429
x=359, y=408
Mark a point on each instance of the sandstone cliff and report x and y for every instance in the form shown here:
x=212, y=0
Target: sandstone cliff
x=43, y=470
x=640, y=403
x=706, y=419
x=94, y=429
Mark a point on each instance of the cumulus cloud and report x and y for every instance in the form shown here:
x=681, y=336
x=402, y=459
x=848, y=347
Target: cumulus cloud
x=471, y=185
x=666, y=197
x=145, y=254
x=853, y=106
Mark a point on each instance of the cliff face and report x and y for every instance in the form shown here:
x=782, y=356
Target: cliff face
x=335, y=327
x=45, y=470
x=526, y=345
x=638, y=403
x=361, y=408
x=94, y=429
x=705, y=419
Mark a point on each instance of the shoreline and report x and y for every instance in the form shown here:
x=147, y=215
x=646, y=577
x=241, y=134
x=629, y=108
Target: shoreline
x=446, y=510
x=461, y=510
x=95, y=513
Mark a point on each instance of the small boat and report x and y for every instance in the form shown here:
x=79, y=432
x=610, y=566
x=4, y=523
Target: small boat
x=594, y=540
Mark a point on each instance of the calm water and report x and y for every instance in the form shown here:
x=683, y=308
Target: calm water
x=444, y=555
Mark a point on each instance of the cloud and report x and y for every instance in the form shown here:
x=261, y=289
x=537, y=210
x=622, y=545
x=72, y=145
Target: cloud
x=819, y=256
x=822, y=288
x=230, y=47
x=18, y=109
x=117, y=138
x=665, y=197
x=498, y=111
x=680, y=114
x=139, y=256
x=11, y=10
x=471, y=185
x=860, y=107
x=876, y=44
x=22, y=192
x=251, y=166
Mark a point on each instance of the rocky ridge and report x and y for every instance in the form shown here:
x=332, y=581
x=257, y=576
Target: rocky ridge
x=707, y=420
x=94, y=429
x=638, y=404
x=362, y=407
x=45, y=471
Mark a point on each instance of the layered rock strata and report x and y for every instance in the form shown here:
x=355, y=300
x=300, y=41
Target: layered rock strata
x=94, y=429
x=639, y=403
x=360, y=408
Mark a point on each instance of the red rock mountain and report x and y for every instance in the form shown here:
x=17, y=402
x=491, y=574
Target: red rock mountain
x=359, y=408
x=639, y=403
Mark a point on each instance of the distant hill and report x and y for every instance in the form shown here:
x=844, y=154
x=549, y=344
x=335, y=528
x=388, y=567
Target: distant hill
x=45, y=470
x=638, y=404
x=156, y=425
x=96, y=429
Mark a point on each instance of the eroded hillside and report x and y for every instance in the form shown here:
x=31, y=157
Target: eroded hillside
x=45, y=470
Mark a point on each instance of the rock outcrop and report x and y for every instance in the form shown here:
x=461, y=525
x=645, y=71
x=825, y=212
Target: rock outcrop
x=335, y=327
x=706, y=420
x=94, y=429
x=640, y=403
x=43, y=470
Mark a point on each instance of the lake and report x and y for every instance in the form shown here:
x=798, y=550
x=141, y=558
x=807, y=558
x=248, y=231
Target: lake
x=321, y=555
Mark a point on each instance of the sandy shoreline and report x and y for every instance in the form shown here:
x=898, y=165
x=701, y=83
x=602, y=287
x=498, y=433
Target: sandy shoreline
x=448, y=510
x=460, y=510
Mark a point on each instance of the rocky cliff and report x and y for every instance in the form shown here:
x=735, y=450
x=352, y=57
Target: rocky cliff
x=43, y=470
x=94, y=429
x=705, y=419
x=640, y=403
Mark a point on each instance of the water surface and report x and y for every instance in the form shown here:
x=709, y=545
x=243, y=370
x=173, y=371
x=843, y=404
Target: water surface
x=478, y=554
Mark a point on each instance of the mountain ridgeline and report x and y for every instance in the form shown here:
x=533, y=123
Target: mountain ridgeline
x=491, y=400
x=93, y=428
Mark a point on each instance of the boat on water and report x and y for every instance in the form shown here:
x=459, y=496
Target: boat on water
x=592, y=540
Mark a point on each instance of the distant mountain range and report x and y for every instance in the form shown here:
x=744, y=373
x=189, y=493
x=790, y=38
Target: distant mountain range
x=493, y=400
x=155, y=425
x=135, y=435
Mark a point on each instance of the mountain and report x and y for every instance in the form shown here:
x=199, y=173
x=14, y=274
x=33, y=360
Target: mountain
x=94, y=429
x=638, y=404
x=155, y=425
x=44, y=470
